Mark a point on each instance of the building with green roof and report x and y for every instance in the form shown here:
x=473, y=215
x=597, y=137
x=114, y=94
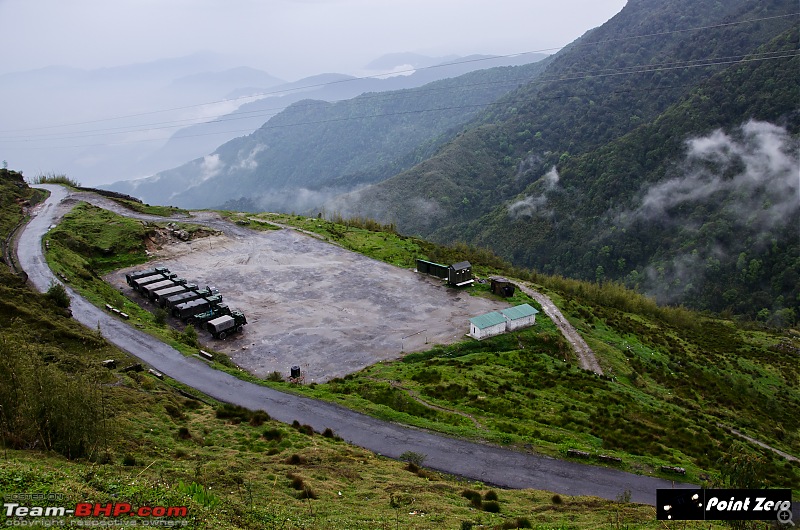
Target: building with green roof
x=519, y=317
x=487, y=325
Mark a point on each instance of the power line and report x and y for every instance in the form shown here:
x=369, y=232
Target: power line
x=638, y=69
x=408, y=71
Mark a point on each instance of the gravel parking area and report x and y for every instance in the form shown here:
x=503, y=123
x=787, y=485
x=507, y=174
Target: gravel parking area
x=313, y=304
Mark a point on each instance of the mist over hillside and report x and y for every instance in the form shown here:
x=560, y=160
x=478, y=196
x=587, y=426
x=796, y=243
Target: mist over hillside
x=645, y=153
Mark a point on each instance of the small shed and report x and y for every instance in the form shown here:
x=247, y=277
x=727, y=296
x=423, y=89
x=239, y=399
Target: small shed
x=460, y=274
x=518, y=317
x=502, y=286
x=487, y=325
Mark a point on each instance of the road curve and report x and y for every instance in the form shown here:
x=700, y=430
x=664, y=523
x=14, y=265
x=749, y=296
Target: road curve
x=489, y=464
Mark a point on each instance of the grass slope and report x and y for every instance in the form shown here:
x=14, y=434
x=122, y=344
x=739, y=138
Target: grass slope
x=231, y=468
x=675, y=383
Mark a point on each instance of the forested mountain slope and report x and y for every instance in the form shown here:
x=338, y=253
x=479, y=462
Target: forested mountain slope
x=314, y=149
x=647, y=152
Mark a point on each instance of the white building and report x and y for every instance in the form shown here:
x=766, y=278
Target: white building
x=487, y=325
x=519, y=317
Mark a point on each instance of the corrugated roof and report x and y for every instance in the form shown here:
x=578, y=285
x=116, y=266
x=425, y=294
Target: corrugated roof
x=520, y=311
x=488, y=320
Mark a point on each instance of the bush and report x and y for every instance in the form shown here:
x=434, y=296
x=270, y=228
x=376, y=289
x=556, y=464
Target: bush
x=129, y=460
x=413, y=458
x=556, y=499
x=258, y=418
x=273, y=435
x=490, y=496
x=189, y=336
x=275, y=377
x=160, y=317
x=474, y=498
x=491, y=506
x=57, y=294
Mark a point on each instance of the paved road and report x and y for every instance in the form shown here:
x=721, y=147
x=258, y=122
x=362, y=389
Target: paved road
x=492, y=465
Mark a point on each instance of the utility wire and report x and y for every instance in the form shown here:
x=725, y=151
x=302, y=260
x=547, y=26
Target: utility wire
x=698, y=63
x=466, y=61
x=634, y=69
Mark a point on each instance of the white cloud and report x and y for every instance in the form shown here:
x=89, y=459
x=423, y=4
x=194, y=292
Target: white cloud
x=210, y=167
x=536, y=204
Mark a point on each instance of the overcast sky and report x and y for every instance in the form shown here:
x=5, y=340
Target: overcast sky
x=287, y=38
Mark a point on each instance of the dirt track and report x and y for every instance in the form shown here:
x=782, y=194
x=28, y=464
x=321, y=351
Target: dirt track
x=313, y=304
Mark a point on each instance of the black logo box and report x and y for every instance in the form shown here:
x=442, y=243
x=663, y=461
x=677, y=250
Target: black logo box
x=721, y=504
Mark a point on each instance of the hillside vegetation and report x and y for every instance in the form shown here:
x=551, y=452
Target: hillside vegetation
x=674, y=384
x=644, y=153
x=315, y=149
x=71, y=427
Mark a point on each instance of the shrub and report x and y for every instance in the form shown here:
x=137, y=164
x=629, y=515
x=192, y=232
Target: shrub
x=556, y=499
x=160, y=317
x=295, y=460
x=413, y=458
x=258, y=418
x=173, y=411
x=189, y=336
x=491, y=506
x=474, y=498
x=328, y=433
x=57, y=294
x=273, y=435
x=129, y=460
x=307, y=493
x=275, y=377
x=490, y=496
x=184, y=434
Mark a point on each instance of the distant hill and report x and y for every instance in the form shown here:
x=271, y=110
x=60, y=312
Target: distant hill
x=191, y=142
x=315, y=149
x=645, y=153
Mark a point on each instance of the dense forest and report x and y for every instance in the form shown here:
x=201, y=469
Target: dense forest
x=644, y=153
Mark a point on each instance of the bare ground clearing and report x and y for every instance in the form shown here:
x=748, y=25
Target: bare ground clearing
x=313, y=304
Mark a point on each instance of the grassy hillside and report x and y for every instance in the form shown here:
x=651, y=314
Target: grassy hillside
x=673, y=387
x=676, y=381
x=71, y=427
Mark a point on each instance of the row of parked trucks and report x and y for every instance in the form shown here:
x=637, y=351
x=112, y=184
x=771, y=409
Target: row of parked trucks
x=200, y=307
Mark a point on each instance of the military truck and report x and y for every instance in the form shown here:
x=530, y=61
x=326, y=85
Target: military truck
x=223, y=326
x=161, y=294
x=189, y=309
x=141, y=283
x=171, y=301
x=131, y=277
x=148, y=291
x=200, y=319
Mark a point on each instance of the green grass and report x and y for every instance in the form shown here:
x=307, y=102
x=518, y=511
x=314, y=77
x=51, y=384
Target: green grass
x=670, y=379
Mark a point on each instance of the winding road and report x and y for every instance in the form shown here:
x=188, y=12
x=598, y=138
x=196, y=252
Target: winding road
x=489, y=464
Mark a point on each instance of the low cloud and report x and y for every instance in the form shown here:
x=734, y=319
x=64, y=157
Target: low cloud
x=536, y=205
x=210, y=167
x=753, y=175
x=248, y=161
x=748, y=179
